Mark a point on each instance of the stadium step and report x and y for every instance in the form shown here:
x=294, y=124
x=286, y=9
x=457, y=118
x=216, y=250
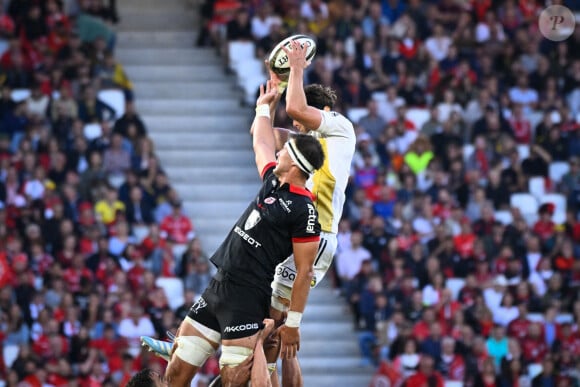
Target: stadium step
x=207, y=158
x=193, y=114
x=154, y=39
x=218, y=191
x=152, y=73
x=185, y=90
x=169, y=56
x=180, y=124
x=179, y=141
x=200, y=107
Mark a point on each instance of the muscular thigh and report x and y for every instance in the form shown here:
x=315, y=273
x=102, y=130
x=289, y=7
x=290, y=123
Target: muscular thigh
x=240, y=310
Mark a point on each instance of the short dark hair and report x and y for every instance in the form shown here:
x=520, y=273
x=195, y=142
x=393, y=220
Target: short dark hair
x=141, y=379
x=310, y=147
x=320, y=96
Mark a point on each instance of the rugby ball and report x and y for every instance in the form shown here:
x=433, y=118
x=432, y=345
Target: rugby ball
x=279, y=60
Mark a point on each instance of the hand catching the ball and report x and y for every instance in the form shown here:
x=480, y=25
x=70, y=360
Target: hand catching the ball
x=297, y=55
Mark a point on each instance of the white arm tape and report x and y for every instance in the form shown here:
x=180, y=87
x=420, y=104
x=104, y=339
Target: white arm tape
x=293, y=320
x=263, y=110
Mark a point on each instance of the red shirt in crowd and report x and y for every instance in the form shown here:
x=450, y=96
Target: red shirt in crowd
x=518, y=328
x=178, y=229
x=545, y=230
x=534, y=350
x=72, y=277
x=522, y=129
x=464, y=244
x=420, y=379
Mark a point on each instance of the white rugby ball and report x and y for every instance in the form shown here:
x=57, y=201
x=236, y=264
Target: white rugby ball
x=279, y=60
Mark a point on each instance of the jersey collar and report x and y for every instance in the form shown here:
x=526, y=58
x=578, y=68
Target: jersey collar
x=300, y=191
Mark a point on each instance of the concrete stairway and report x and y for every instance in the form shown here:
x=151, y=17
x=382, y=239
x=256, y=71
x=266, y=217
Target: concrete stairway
x=192, y=111
x=329, y=354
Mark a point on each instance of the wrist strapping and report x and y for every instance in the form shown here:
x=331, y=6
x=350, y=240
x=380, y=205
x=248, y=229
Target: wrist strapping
x=293, y=319
x=263, y=110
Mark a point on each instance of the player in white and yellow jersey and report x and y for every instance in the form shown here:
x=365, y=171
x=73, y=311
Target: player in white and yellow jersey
x=310, y=108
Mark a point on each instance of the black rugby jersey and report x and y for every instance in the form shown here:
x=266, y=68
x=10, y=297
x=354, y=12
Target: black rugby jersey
x=263, y=236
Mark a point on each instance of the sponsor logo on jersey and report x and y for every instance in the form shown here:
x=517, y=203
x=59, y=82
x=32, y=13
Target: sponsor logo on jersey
x=246, y=237
x=199, y=304
x=286, y=273
x=241, y=328
x=269, y=200
x=285, y=204
x=253, y=219
x=311, y=219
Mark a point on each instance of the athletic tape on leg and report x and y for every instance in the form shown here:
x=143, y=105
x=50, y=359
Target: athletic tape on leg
x=281, y=291
x=208, y=333
x=277, y=304
x=234, y=355
x=193, y=350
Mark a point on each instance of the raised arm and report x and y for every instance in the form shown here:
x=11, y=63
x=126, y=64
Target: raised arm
x=296, y=104
x=264, y=142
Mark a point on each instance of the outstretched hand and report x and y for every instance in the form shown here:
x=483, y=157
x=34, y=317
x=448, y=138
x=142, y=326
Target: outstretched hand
x=290, y=340
x=267, y=95
x=296, y=55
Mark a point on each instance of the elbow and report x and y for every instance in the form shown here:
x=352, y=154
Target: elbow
x=294, y=111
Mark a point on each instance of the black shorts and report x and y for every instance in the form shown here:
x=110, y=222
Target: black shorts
x=233, y=309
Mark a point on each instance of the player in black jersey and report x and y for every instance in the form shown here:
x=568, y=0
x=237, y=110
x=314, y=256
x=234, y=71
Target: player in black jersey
x=281, y=221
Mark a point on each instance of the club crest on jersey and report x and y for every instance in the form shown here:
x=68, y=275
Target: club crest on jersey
x=269, y=200
x=253, y=219
x=199, y=304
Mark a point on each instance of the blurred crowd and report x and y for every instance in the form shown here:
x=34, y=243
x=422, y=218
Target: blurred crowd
x=88, y=219
x=459, y=248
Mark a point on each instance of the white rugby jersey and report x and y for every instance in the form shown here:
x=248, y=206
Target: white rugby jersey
x=338, y=140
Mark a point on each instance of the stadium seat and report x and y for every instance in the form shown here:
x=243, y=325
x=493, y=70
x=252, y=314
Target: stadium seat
x=418, y=116
x=379, y=96
x=115, y=99
x=92, y=131
x=19, y=95
x=251, y=85
x=527, y=204
x=355, y=114
x=534, y=370
x=558, y=200
x=523, y=151
x=536, y=317
x=10, y=353
x=140, y=233
x=564, y=318
x=537, y=186
x=535, y=118
x=504, y=217
x=557, y=170
x=453, y=383
x=239, y=51
x=468, y=150
x=559, y=217
x=178, y=250
x=116, y=179
x=249, y=68
x=455, y=285
x=174, y=291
